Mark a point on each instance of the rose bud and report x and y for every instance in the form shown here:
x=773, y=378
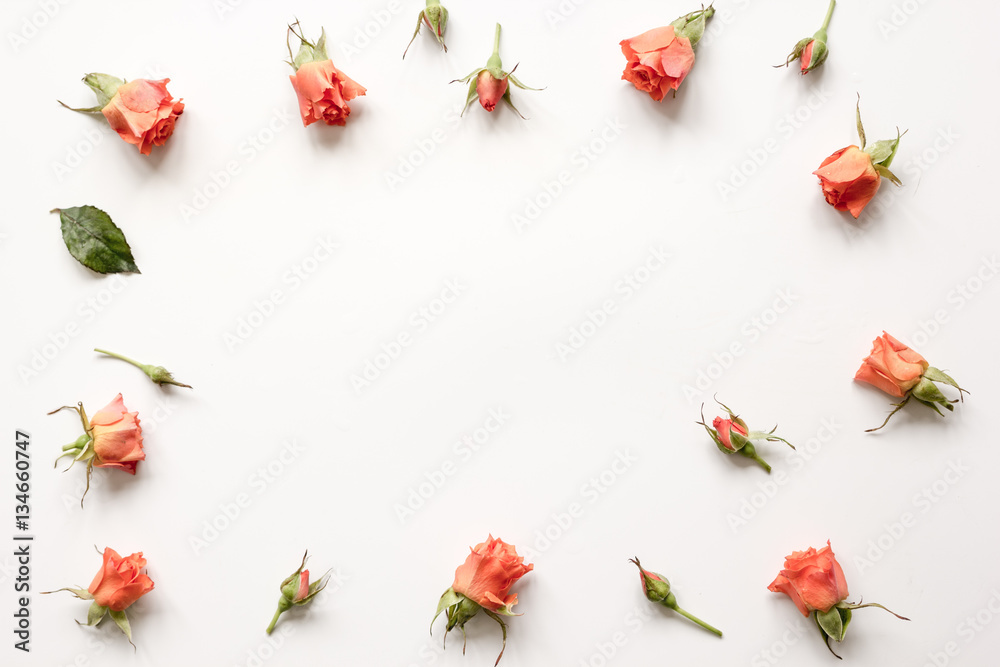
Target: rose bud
x=489, y=83
x=659, y=59
x=117, y=585
x=112, y=439
x=815, y=582
x=322, y=89
x=142, y=112
x=157, y=374
x=812, y=51
x=483, y=583
x=732, y=436
x=657, y=589
x=851, y=176
x=297, y=591
x=434, y=17
x=899, y=371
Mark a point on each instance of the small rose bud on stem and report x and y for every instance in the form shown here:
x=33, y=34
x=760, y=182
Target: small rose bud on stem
x=657, y=589
x=157, y=374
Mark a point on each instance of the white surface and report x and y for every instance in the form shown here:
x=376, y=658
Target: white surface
x=495, y=348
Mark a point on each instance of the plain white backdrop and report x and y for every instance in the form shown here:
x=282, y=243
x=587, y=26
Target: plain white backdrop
x=279, y=262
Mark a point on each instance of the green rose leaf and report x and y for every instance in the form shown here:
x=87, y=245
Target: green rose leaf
x=95, y=241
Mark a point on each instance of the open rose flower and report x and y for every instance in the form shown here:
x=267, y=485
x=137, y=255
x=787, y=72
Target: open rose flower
x=142, y=112
x=899, y=371
x=112, y=439
x=296, y=590
x=490, y=83
x=483, y=583
x=851, y=176
x=732, y=436
x=812, y=52
x=115, y=588
x=657, y=589
x=660, y=59
x=323, y=90
x=815, y=582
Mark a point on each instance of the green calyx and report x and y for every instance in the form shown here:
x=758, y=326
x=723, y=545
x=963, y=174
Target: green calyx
x=81, y=449
x=308, y=51
x=290, y=589
x=495, y=68
x=458, y=609
x=104, y=86
x=436, y=16
x=692, y=25
x=742, y=444
x=927, y=393
x=882, y=152
x=833, y=622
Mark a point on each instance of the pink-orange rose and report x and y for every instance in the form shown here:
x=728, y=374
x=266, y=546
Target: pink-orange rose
x=117, y=437
x=723, y=427
x=658, y=61
x=143, y=113
x=490, y=89
x=849, y=179
x=323, y=92
x=488, y=574
x=813, y=580
x=120, y=582
x=892, y=367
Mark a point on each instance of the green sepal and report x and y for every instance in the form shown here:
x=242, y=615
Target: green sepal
x=104, y=86
x=692, y=25
x=82, y=109
x=79, y=593
x=315, y=589
x=95, y=240
x=513, y=79
x=308, y=52
x=819, y=55
x=831, y=622
x=448, y=599
x=927, y=392
x=796, y=53
x=503, y=629
x=937, y=375
x=96, y=614
x=885, y=173
x=459, y=614
x=737, y=440
x=121, y=620
x=861, y=127
x=506, y=98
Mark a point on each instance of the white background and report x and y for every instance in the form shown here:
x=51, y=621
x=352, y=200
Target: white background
x=922, y=66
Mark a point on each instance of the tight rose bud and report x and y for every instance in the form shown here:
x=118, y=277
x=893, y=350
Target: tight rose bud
x=435, y=17
x=657, y=589
x=660, y=59
x=815, y=582
x=142, y=112
x=112, y=439
x=732, y=436
x=483, y=583
x=899, y=371
x=811, y=52
x=323, y=90
x=297, y=591
x=851, y=176
x=489, y=83
x=157, y=374
x=115, y=588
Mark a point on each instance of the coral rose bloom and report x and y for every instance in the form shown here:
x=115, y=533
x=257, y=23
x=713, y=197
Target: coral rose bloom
x=117, y=437
x=490, y=89
x=488, y=573
x=120, y=582
x=723, y=427
x=143, y=113
x=892, y=367
x=849, y=180
x=323, y=92
x=813, y=580
x=658, y=61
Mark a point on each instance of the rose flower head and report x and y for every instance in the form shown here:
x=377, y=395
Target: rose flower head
x=812, y=52
x=851, y=176
x=490, y=83
x=322, y=89
x=115, y=588
x=112, y=439
x=141, y=111
x=899, y=371
x=815, y=582
x=732, y=436
x=483, y=583
x=660, y=59
x=296, y=590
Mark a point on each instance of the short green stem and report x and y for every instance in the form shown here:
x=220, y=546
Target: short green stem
x=697, y=620
x=496, y=41
x=829, y=15
x=119, y=356
x=432, y=3
x=274, y=620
